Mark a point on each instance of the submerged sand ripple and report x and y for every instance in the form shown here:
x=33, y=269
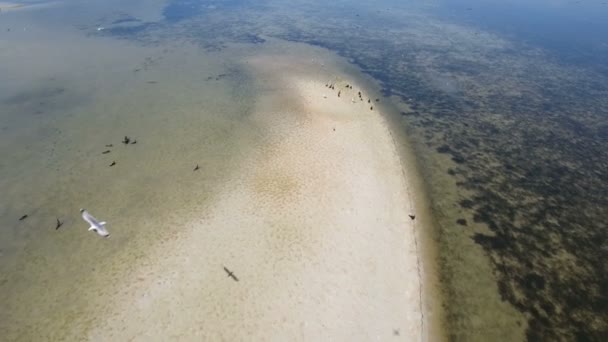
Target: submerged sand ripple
x=315, y=225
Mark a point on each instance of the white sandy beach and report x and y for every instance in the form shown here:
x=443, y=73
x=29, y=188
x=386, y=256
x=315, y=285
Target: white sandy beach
x=315, y=226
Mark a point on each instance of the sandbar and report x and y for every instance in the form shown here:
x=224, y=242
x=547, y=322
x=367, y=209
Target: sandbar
x=314, y=225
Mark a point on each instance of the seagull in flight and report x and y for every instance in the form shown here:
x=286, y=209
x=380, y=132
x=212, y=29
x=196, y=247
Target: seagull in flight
x=96, y=226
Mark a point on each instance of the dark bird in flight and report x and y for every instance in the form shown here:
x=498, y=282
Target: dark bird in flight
x=113, y=163
x=126, y=140
x=196, y=168
x=109, y=145
x=106, y=152
x=413, y=217
x=133, y=142
x=231, y=274
x=59, y=224
x=339, y=93
x=22, y=217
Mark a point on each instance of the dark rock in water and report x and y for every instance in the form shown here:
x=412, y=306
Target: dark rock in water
x=461, y=222
x=106, y=152
x=467, y=203
x=126, y=140
x=133, y=142
x=458, y=158
x=444, y=149
x=534, y=282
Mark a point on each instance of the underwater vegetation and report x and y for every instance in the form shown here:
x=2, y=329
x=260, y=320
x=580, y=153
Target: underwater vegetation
x=535, y=164
x=526, y=137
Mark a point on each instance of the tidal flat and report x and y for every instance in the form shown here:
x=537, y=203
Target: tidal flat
x=243, y=196
x=510, y=138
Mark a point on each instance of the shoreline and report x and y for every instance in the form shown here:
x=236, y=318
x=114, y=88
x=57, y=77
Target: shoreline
x=305, y=221
x=304, y=195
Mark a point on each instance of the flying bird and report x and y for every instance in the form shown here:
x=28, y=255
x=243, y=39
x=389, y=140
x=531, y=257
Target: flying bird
x=96, y=226
x=231, y=274
x=59, y=224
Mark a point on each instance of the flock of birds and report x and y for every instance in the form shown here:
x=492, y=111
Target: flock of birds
x=95, y=225
x=332, y=86
x=99, y=227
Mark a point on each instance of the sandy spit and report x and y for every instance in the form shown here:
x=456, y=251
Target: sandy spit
x=315, y=227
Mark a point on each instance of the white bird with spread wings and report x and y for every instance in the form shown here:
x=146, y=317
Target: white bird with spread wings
x=98, y=227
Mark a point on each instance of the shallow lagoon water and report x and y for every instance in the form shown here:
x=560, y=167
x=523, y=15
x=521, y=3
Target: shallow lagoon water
x=510, y=130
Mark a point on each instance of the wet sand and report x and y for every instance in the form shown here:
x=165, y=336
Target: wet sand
x=313, y=221
x=314, y=225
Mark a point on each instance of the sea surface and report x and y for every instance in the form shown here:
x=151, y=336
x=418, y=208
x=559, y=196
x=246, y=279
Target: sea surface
x=505, y=104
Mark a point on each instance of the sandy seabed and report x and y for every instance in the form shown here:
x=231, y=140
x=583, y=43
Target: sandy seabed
x=315, y=227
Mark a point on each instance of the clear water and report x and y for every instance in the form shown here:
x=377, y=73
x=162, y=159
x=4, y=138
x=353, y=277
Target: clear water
x=506, y=104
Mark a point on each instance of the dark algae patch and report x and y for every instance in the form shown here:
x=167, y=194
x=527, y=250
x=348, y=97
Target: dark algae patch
x=528, y=155
x=178, y=10
x=513, y=145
